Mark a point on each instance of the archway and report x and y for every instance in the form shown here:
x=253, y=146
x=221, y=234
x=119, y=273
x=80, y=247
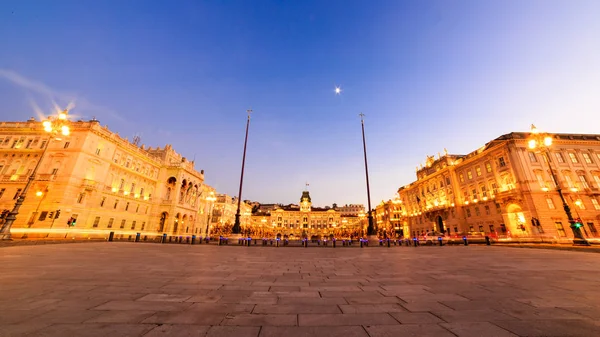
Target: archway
x=161, y=223
x=440, y=224
x=176, y=223
x=516, y=220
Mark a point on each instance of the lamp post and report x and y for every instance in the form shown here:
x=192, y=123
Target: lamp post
x=370, y=228
x=53, y=126
x=543, y=141
x=237, y=229
x=211, y=198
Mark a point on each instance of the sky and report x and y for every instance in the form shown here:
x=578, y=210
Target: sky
x=428, y=75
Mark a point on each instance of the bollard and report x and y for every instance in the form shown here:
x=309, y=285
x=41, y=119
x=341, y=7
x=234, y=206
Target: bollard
x=220, y=240
x=137, y=237
x=388, y=242
x=111, y=236
x=164, y=238
x=440, y=241
x=415, y=241
x=193, y=239
x=465, y=241
x=333, y=242
x=361, y=242
x=487, y=240
x=277, y=242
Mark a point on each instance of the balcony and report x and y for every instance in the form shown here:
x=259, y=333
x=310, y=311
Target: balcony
x=13, y=178
x=88, y=184
x=45, y=177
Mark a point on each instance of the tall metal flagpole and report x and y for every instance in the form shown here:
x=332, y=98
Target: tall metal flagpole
x=371, y=228
x=237, y=229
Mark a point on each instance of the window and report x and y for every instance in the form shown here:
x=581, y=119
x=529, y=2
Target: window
x=550, y=203
x=469, y=174
x=597, y=180
x=583, y=181
x=498, y=208
x=448, y=181
x=487, y=210
x=540, y=180
x=492, y=230
x=143, y=225
x=501, y=162
x=587, y=158
x=475, y=195
x=122, y=184
x=554, y=182
x=17, y=194
x=595, y=203
x=488, y=167
x=122, y=223
x=102, y=202
x=484, y=191
x=110, y=222
x=80, y=198
x=478, y=170
x=481, y=228
x=468, y=213
x=559, y=157
x=461, y=177
x=96, y=222
x=137, y=208
x=560, y=229
x=495, y=188
x=43, y=216
x=592, y=228
x=133, y=225
x=573, y=157
x=569, y=180
x=127, y=206
x=580, y=204
x=29, y=143
x=532, y=157
x=98, y=151
x=54, y=171
x=67, y=144
x=2, y=192
x=477, y=211
x=116, y=203
x=503, y=228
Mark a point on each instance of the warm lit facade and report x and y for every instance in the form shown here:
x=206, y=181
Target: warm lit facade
x=223, y=214
x=304, y=220
x=351, y=209
x=388, y=219
x=506, y=189
x=105, y=182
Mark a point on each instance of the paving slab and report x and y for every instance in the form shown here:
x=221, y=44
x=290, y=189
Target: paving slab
x=128, y=289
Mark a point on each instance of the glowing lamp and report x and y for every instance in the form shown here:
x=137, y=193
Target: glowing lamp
x=532, y=143
x=548, y=141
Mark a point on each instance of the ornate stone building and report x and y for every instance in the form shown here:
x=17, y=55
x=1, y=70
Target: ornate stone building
x=223, y=214
x=102, y=181
x=506, y=189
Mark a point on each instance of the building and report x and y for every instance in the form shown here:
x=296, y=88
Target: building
x=351, y=209
x=506, y=189
x=303, y=220
x=98, y=182
x=388, y=219
x=223, y=214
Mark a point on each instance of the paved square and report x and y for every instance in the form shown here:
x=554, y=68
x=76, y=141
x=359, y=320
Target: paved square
x=129, y=289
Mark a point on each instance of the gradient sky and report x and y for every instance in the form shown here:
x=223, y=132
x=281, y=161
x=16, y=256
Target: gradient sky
x=428, y=75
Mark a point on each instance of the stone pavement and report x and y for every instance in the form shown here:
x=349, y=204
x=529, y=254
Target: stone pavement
x=126, y=289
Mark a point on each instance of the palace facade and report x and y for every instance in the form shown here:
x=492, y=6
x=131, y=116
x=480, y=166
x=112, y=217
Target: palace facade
x=504, y=188
x=304, y=220
x=99, y=182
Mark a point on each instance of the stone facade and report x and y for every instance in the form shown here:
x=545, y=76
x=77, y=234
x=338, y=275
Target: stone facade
x=506, y=189
x=105, y=182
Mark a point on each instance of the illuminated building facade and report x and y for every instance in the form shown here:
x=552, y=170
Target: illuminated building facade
x=506, y=189
x=101, y=181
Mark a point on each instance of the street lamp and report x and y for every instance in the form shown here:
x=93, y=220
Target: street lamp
x=211, y=198
x=543, y=141
x=370, y=228
x=54, y=126
x=236, y=226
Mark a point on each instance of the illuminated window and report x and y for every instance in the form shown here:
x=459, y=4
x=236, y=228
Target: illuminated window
x=122, y=223
x=469, y=174
x=550, y=203
x=96, y=222
x=587, y=158
x=488, y=167
x=461, y=178
x=560, y=157
x=560, y=229
x=532, y=157
x=569, y=181
x=583, y=181
x=573, y=157
x=110, y=222
x=595, y=203
x=478, y=170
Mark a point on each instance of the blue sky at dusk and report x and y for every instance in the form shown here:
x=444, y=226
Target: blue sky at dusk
x=428, y=75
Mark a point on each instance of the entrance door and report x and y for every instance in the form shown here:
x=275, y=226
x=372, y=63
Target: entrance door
x=440, y=224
